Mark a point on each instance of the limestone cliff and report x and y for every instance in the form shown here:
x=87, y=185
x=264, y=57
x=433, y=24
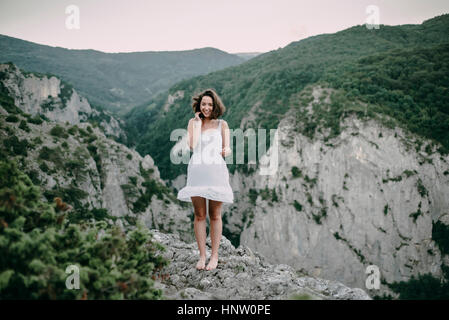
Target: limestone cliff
x=370, y=195
x=57, y=100
x=74, y=160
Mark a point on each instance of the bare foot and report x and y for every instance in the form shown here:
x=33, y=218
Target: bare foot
x=201, y=263
x=212, y=263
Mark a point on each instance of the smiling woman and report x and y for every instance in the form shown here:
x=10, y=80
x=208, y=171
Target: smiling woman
x=207, y=173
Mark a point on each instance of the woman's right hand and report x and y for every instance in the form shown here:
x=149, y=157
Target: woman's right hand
x=197, y=116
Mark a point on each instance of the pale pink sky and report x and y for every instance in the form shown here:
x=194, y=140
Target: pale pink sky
x=229, y=25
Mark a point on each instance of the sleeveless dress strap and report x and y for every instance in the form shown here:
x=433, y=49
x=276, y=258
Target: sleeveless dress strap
x=219, y=125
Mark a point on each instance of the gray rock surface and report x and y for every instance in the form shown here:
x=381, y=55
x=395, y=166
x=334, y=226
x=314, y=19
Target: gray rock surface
x=241, y=274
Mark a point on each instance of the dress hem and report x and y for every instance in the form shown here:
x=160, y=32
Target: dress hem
x=184, y=194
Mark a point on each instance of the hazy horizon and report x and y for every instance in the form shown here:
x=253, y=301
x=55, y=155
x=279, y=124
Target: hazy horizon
x=233, y=27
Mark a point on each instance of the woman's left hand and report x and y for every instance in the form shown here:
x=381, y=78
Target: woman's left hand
x=223, y=152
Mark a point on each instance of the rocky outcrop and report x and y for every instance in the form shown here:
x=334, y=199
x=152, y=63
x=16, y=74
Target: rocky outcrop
x=172, y=98
x=241, y=274
x=57, y=100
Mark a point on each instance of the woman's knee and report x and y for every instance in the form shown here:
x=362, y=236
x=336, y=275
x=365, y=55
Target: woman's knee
x=215, y=215
x=200, y=215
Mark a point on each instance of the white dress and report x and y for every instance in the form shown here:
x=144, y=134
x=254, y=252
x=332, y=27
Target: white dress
x=207, y=173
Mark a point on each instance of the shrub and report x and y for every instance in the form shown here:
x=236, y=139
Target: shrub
x=253, y=196
x=152, y=187
x=297, y=205
x=91, y=138
x=440, y=234
x=37, y=140
x=23, y=125
x=16, y=146
x=72, y=195
x=296, y=172
x=44, y=167
x=12, y=118
x=73, y=130
x=35, y=120
x=422, y=287
x=53, y=155
x=83, y=132
x=38, y=242
x=59, y=131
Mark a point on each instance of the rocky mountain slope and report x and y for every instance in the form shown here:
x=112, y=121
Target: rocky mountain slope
x=70, y=157
x=371, y=195
x=97, y=176
x=53, y=99
x=240, y=274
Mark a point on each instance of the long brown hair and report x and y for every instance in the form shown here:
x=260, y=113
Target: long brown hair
x=218, y=106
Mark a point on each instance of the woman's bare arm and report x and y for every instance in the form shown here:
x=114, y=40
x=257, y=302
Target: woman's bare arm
x=225, y=133
x=193, y=133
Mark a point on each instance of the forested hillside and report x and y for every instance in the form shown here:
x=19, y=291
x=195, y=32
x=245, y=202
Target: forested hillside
x=390, y=68
x=115, y=81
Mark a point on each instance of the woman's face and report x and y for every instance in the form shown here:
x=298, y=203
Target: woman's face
x=206, y=106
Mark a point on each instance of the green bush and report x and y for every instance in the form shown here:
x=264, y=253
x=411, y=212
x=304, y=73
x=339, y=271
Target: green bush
x=84, y=214
x=253, y=196
x=152, y=187
x=297, y=205
x=16, y=146
x=35, y=120
x=44, y=167
x=440, y=234
x=422, y=287
x=23, y=125
x=53, y=155
x=72, y=130
x=296, y=172
x=12, y=118
x=7, y=102
x=91, y=138
x=59, y=131
x=71, y=195
x=38, y=242
x=37, y=140
x=83, y=132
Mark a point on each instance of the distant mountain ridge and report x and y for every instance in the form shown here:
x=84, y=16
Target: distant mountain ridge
x=115, y=81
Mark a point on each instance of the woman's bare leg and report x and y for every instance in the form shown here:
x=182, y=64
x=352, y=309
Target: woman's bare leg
x=199, y=226
x=215, y=232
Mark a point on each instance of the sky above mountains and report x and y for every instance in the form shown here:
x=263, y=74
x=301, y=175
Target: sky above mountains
x=168, y=25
